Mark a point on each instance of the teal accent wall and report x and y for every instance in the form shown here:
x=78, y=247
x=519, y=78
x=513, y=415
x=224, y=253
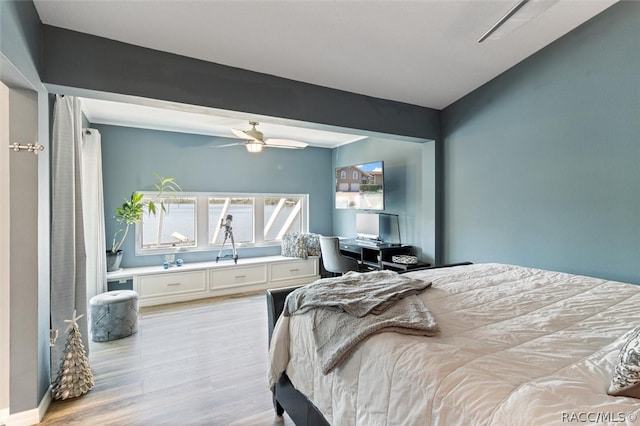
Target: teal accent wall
x=409, y=181
x=130, y=156
x=542, y=164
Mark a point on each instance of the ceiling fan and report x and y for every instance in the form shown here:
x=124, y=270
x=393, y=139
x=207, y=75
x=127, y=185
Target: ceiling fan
x=255, y=141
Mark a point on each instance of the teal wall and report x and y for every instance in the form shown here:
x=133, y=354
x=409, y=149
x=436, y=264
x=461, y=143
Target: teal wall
x=409, y=181
x=130, y=156
x=542, y=164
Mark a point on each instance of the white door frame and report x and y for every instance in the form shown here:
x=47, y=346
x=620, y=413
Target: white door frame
x=5, y=253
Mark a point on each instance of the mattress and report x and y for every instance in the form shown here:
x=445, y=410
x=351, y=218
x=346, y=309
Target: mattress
x=516, y=346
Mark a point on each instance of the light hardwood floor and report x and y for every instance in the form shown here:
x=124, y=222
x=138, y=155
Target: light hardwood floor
x=199, y=363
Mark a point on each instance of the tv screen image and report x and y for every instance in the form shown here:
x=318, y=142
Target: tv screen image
x=360, y=186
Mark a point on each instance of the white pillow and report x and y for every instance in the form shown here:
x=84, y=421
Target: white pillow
x=626, y=378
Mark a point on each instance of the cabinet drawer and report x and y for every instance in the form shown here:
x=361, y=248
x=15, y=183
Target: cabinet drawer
x=235, y=276
x=288, y=270
x=172, y=283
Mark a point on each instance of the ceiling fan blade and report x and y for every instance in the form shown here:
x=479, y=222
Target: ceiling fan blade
x=242, y=135
x=285, y=143
x=226, y=145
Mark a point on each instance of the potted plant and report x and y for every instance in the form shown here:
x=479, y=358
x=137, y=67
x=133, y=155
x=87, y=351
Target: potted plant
x=131, y=212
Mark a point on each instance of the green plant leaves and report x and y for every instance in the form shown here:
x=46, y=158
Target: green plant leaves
x=132, y=210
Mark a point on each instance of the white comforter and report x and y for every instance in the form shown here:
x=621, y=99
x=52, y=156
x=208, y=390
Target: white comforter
x=517, y=346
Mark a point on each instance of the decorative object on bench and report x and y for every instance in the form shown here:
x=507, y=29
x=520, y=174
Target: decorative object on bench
x=114, y=315
x=405, y=259
x=74, y=377
x=300, y=244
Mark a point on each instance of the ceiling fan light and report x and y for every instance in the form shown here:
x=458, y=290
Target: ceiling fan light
x=254, y=146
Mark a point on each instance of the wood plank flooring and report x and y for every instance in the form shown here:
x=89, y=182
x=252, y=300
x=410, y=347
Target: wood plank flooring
x=197, y=363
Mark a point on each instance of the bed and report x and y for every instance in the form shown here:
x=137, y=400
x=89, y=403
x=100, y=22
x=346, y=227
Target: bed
x=515, y=346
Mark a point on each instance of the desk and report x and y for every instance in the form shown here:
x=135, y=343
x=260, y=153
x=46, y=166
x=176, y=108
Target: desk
x=402, y=267
x=371, y=256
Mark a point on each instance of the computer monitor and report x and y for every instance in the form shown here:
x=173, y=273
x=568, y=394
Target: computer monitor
x=368, y=226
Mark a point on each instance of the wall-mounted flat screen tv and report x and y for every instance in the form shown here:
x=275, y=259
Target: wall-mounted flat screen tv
x=360, y=186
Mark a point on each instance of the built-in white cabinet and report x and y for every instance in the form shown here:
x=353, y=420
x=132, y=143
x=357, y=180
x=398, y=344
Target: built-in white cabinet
x=156, y=286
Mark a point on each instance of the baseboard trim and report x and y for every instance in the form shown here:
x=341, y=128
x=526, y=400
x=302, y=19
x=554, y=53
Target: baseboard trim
x=44, y=404
x=24, y=418
x=31, y=417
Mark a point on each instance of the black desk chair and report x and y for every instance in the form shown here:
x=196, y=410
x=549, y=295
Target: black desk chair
x=333, y=260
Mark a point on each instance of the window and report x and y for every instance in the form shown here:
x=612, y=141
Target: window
x=172, y=227
x=242, y=217
x=282, y=215
x=198, y=221
x=355, y=175
x=343, y=175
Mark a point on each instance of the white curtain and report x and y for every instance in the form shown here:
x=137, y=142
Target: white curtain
x=78, y=265
x=93, y=212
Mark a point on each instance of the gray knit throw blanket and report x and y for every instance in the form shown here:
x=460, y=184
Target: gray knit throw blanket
x=348, y=309
x=355, y=293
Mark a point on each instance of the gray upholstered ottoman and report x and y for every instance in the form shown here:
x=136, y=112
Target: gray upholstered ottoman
x=114, y=315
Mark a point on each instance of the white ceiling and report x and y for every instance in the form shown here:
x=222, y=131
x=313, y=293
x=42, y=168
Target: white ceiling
x=422, y=52
x=204, y=121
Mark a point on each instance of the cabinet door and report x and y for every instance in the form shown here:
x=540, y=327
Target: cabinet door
x=295, y=269
x=172, y=283
x=237, y=276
